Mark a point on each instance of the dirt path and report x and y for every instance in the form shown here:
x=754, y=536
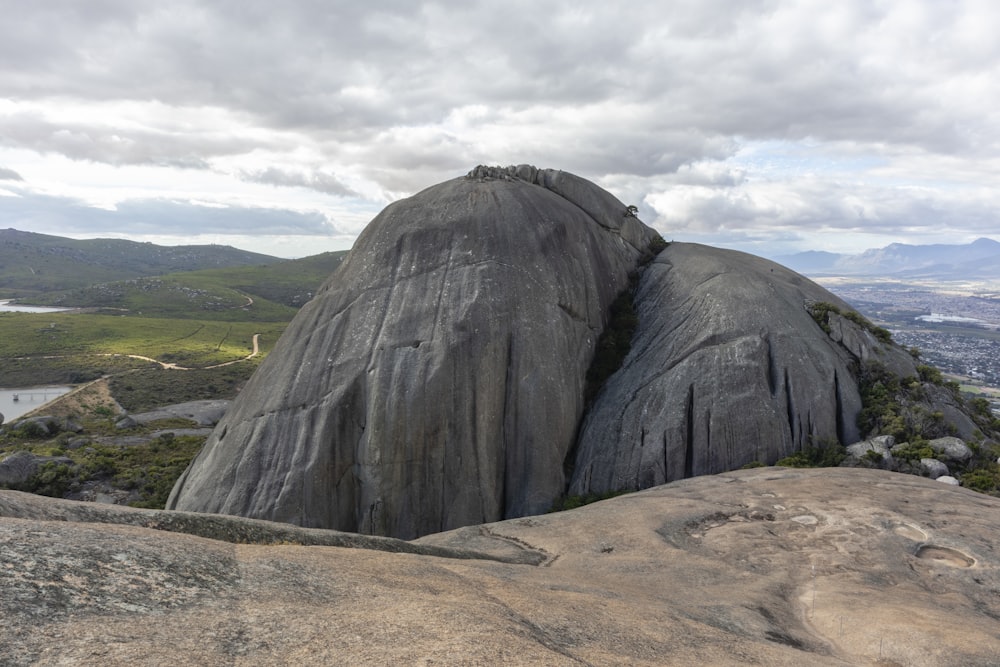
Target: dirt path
x=171, y=366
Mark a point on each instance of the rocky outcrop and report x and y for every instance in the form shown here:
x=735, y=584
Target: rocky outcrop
x=933, y=468
x=437, y=378
x=203, y=413
x=766, y=566
x=951, y=449
x=19, y=467
x=728, y=366
x=881, y=446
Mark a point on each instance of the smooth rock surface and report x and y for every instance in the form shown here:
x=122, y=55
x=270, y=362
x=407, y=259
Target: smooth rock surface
x=881, y=445
x=19, y=467
x=767, y=566
x=727, y=367
x=951, y=448
x=437, y=378
x=203, y=413
x=934, y=468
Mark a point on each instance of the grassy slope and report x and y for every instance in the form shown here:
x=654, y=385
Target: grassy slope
x=183, y=341
x=270, y=293
x=31, y=264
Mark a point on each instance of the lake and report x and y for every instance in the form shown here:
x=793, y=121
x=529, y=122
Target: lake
x=8, y=307
x=29, y=398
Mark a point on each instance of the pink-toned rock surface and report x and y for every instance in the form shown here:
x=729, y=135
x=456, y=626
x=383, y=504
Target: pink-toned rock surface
x=768, y=566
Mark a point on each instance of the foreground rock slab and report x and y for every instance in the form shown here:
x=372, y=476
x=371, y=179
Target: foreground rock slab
x=768, y=566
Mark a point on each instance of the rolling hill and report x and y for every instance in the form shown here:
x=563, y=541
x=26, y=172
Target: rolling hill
x=33, y=263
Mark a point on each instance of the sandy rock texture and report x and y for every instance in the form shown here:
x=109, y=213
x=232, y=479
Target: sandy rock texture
x=768, y=566
x=437, y=379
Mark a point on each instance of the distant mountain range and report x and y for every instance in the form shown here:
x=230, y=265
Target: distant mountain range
x=979, y=259
x=32, y=263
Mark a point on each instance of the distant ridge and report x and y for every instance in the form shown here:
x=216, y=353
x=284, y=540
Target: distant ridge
x=31, y=263
x=979, y=259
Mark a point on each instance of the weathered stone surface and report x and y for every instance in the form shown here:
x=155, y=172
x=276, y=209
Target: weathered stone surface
x=947, y=479
x=881, y=445
x=952, y=449
x=126, y=422
x=18, y=467
x=765, y=566
x=727, y=367
x=941, y=399
x=934, y=468
x=203, y=413
x=437, y=378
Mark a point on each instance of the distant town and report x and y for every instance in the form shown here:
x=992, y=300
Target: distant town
x=955, y=327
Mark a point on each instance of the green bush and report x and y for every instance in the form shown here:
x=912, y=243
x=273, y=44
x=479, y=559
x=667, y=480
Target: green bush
x=871, y=456
x=890, y=406
x=984, y=480
x=821, y=310
x=657, y=245
x=826, y=454
x=914, y=450
x=930, y=374
x=613, y=345
x=52, y=479
x=31, y=430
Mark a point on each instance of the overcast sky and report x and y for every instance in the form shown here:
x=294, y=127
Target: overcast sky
x=284, y=127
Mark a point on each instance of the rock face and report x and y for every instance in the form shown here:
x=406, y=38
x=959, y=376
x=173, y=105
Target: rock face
x=437, y=379
x=762, y=567
x=951, y=449
x=728, y=367
x=20, y=466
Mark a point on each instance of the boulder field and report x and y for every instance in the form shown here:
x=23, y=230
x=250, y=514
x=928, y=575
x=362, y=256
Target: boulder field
x=769, y=566
x=439, y=377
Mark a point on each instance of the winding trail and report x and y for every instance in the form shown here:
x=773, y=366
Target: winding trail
x=164, y=364
x=175, y=367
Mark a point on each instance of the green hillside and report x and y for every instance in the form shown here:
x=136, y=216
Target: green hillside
x=270, y=293
x=290, y=283
x=32, y=263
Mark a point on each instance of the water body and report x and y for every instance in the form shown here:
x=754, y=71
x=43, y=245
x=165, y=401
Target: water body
x=28, y=399
x=8, y=307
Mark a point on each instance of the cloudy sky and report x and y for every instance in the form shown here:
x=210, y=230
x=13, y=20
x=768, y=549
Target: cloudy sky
x=284, y=127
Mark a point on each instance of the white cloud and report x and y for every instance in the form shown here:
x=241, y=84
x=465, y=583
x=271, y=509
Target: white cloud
x=796, y=120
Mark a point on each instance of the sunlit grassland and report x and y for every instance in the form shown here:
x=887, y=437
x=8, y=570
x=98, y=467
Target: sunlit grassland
x=182, y=296
x=270, y=293
x=186, y=342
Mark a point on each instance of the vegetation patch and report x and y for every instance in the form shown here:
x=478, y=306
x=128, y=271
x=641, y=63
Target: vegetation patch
x=821, y=310
x=825, y=454
x=73, y=369
x=151, y=388
x=892, y=406
x=191, y=343
x=149, y=470
x=657, y=245
x=613, y=345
